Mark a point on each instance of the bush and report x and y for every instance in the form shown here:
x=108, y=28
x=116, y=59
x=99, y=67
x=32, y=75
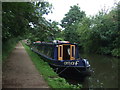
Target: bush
x=7, y=47
x=59, y=39
x=116, y=52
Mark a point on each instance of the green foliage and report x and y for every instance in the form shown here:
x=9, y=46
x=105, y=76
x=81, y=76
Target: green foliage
x=54, y=81
x=105, y=50
x=73, y=16
x=99, y=34
x=18, y=17
x=7, y=47
x=43, y=8
x=116, y=52
x=44, y=31
x=96, y=34
x=70, y=21
x=59, y=39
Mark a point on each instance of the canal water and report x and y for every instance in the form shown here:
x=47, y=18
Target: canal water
x=104, y=72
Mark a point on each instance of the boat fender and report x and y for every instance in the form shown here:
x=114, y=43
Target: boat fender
x=86, y=63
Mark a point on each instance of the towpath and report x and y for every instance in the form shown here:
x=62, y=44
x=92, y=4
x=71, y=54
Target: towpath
x=20, y=72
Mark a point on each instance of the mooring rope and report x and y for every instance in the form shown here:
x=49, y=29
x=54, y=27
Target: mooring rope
x=77, y=70
x=62, y=70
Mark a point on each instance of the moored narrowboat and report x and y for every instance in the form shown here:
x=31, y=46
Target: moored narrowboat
x=63, y=56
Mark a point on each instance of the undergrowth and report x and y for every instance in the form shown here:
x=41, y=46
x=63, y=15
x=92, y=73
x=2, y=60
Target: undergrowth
x=7, y=47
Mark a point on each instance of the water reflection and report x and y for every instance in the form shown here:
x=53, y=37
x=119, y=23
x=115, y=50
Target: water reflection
x=104, y=72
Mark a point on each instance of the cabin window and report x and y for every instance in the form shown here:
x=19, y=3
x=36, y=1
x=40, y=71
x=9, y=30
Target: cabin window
x=66, y=52
x=60, y=51
x=73, y=54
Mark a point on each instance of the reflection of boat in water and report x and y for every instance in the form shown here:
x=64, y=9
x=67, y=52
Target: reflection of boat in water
x=62, y=56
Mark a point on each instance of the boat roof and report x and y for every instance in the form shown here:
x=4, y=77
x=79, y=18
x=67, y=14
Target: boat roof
x=55, y=43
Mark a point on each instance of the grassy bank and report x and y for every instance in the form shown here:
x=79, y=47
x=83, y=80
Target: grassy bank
x=7, y=47
x=53, y=80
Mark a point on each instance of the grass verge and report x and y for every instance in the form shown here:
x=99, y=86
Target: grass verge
x=53, y=80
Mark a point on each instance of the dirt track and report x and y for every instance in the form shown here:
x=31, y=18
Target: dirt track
x=20, y=72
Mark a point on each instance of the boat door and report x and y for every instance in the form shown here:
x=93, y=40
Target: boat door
x=60, y=52
x=72, y=52
x=66, y=52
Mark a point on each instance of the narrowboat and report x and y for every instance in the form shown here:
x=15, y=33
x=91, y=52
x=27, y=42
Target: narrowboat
x=63, y=56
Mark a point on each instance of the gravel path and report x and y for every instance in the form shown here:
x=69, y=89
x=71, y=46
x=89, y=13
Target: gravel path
x=20, y=72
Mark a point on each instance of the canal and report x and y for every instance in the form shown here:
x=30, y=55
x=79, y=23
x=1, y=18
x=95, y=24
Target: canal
x=104, y=71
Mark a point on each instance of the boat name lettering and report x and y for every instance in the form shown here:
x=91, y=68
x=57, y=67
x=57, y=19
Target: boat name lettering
x=71, y=63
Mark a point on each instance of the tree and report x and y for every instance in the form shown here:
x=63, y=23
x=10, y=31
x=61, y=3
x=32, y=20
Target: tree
x=100, y=34
x=73, y=16
x=70, y=21
x=17, y=17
